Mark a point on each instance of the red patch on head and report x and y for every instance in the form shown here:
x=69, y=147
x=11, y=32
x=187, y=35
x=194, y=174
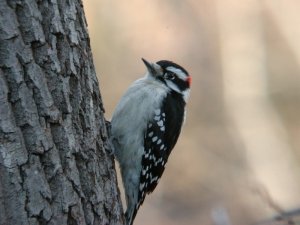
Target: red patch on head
x=189, y=80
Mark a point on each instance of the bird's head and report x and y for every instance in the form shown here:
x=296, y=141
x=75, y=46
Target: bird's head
x=173, y=76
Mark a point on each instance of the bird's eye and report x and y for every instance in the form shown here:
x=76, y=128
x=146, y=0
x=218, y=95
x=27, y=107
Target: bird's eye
x=169, y=76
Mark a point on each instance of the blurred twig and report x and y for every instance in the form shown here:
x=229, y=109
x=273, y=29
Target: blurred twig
x=287, y=217
x=282, y=216
x=264, y=194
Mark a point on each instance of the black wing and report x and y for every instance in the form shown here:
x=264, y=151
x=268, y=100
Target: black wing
x=160, y=138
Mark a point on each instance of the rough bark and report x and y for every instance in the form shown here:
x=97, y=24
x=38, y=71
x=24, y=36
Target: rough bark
x=54, y=168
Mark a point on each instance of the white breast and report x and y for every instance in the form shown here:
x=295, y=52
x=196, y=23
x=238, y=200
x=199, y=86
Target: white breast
x=131, y=116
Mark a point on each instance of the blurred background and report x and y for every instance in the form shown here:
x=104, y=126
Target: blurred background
x=238, y=158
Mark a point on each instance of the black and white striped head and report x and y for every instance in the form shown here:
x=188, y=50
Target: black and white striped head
x=175, y=77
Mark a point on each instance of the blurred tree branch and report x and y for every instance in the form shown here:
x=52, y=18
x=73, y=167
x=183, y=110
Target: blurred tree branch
x=287, y=217
x=247, y=98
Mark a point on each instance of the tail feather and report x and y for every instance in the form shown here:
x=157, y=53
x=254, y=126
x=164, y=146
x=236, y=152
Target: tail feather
x=133, y=205
x=130, y=215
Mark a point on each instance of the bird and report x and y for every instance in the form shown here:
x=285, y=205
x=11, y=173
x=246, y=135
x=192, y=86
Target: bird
x=145, y=127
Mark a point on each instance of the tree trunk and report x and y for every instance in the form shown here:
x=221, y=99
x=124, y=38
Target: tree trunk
x=54, y=168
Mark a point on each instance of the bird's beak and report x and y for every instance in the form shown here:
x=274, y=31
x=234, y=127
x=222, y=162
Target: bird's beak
x=152, y=68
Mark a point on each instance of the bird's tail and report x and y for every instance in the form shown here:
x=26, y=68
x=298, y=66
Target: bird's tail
x=130, y=216
x=133, y=207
